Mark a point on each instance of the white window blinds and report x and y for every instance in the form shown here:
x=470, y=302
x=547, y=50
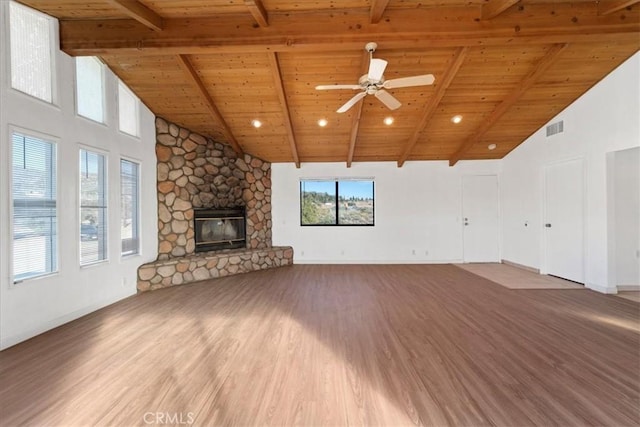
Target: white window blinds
x=93, y=207
x=35, y=237
x=90, y=88
x=31, y=59
x=129, y=205
x=127, y=111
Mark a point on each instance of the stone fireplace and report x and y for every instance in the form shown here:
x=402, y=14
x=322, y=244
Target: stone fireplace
x=195, y=173
x=196, y=176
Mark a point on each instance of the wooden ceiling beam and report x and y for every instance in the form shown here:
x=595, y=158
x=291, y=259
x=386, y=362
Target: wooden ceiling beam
x=377, y=9
x=140, y=13
x=316, y=31
x=530, y=79
x=611, y=6
x=277, y=77
x=192, y=74
x=493, y=8
x=357, y=114
x=430, y=109
x=258, y=12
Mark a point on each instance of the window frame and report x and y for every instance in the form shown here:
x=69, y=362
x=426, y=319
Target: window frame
x=107, y=206
x=337, y=199
x=103, y=92
x=56, y=142
x=138, y=216
x=53, y=43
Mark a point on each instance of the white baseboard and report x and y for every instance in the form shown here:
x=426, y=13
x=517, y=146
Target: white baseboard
x=624, y=288
x=392, y=261
x=602, y=289
x=6, y=342
x=521, y=266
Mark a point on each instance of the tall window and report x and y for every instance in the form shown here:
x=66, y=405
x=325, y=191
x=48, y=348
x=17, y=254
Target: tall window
x=93, y=207
x=129, y=202
x=31, y=58
x=35, y=237
x=90, y=88
x=337, y=202
x=127, y=111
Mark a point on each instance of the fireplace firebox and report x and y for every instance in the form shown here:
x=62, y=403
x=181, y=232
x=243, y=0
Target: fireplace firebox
x=217, y=229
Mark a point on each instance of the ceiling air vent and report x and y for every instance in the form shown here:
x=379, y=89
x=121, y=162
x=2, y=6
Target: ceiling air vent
x=555, y=128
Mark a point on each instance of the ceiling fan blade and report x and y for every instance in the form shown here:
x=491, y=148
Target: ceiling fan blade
x=329, y=87
x=423, y=80
x=350, y=103
x=387, y=99
x=376, y=69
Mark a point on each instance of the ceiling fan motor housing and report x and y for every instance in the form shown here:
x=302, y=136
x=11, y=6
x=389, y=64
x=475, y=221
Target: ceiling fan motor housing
x=369, y=86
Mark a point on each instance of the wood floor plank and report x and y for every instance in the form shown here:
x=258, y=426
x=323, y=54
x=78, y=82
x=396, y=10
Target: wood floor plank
x=335, y=345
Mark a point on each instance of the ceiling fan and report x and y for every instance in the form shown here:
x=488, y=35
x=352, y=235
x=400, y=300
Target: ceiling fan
x=373, y=83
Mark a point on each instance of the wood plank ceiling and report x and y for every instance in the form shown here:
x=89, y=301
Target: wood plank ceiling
x=506, y=66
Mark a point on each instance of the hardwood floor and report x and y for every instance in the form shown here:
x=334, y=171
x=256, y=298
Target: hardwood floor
x=513, y=277
x=335, y=345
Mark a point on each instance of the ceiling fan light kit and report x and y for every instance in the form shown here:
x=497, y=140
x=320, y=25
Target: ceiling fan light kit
x=374, y=83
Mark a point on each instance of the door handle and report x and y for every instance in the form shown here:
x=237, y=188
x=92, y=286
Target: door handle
x=547, y=225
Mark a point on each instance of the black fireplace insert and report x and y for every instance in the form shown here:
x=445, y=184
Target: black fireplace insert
x=217, y=229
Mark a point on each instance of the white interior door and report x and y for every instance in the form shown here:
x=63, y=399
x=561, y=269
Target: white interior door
x=480, y=218
x=564, y=220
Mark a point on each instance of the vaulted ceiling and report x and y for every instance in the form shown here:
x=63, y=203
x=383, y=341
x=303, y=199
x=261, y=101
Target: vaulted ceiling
x=506, y=66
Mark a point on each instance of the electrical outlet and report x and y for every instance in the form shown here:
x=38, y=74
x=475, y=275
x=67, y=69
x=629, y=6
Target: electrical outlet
x=426, y=253
x=342, y=252
x=301, y=253
x=413, y=252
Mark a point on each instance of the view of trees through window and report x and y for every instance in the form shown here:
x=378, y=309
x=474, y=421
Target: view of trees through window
x=340, y=202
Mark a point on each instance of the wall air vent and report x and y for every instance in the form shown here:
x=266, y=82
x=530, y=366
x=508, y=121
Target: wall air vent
x=555, y=128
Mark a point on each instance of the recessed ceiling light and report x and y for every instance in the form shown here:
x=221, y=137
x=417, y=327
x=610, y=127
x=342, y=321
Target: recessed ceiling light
x=492, y=146
x=256, y=123
x=322, y=122
x=388, y=121
x=456, y=119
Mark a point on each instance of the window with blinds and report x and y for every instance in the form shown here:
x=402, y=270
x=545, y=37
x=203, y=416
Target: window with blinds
x=31, y=59
x=90, y=88
x=35, y=237
x=129, y=205
x=127, y=110
x=93, y=207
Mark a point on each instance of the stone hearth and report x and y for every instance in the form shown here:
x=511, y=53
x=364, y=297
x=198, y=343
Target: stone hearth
x=209, y=265
x=196, y=172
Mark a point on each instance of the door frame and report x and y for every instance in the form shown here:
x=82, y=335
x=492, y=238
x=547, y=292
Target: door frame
x=544, y=269
x=498, y=208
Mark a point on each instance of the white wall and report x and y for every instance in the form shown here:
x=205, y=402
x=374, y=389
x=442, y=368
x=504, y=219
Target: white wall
x=605, y=119
x=417, y=207
x=624, y=205
x=33, y=306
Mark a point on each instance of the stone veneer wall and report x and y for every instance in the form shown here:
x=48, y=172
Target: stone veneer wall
x=196, y=172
